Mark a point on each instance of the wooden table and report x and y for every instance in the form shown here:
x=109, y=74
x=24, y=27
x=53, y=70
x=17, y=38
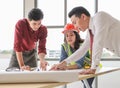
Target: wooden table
x=31, y=85
x=51, y=85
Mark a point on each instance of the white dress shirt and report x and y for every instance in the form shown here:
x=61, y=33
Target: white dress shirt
x=106, y=31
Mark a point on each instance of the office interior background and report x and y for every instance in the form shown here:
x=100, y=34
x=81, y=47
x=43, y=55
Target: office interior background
x=55, y=17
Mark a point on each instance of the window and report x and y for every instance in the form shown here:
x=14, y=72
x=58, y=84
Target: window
x=110, y=7
x=10, y=13
x=55, y=15
x=54, y=41
x=88, y=4
x=53, y=12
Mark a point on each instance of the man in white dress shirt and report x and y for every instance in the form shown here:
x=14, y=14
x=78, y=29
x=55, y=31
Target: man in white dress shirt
x=106, y=31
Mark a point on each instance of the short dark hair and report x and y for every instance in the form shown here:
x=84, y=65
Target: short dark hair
x=77, y=11
x=35, y=14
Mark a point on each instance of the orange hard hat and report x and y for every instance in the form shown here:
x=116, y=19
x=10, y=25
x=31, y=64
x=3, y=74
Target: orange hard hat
x=70, y=27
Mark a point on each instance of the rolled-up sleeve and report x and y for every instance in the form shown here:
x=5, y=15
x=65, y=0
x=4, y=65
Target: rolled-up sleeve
x=42, y=40
x=17, y=38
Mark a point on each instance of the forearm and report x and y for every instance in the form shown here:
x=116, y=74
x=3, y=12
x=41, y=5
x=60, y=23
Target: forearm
x=20, y=59
x=43, y=63
x=72, y=66
x=42, y=56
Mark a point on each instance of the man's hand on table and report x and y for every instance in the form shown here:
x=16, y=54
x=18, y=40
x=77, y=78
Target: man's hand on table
x=88, y=71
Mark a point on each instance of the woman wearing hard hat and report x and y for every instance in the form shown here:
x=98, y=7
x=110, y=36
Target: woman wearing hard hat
x=72, y=42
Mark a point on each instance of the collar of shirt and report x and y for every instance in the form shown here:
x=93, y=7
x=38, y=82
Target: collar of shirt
x=29, y=28
x=91, y=26
x=91, y=23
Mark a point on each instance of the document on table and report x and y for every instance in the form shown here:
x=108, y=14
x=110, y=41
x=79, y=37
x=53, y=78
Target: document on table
x=39, y=76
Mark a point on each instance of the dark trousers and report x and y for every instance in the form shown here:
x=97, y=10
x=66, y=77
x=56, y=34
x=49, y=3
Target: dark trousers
x=29, y=58
x=90, y=81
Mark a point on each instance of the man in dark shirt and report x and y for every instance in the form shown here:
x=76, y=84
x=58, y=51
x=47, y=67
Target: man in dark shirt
x=27, y=33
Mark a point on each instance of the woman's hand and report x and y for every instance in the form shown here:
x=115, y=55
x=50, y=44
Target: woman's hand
x=60, y=66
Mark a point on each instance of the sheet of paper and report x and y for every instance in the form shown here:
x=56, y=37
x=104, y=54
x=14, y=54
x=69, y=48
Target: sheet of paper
x=38, y=76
